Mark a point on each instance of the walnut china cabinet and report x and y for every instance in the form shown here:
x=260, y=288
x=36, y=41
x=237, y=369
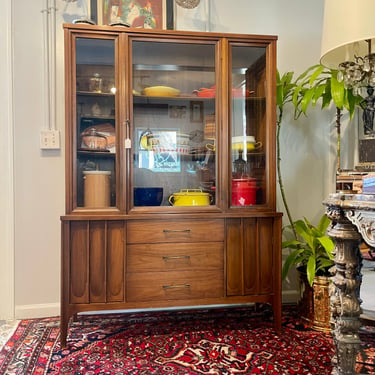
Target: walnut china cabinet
x=170, y=171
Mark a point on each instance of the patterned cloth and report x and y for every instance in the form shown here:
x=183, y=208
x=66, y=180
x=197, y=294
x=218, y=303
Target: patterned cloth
x=235, y=340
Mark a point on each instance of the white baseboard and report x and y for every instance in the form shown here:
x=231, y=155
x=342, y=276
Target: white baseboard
x=290, y=296
x=53, y=309
x=37, y=311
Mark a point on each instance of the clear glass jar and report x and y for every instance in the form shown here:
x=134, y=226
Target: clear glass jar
x=96, y=83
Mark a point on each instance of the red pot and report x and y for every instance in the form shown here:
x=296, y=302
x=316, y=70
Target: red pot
x=206, y=93
x=244, y=191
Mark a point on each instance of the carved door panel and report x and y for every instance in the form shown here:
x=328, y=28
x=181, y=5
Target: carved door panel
x=97, y=262
x=249, y=256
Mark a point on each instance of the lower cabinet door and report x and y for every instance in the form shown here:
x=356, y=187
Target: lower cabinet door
x=96, y=266
x=249, y=256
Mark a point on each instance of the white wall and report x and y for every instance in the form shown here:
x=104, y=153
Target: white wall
x=6, y=166
x=39, y=175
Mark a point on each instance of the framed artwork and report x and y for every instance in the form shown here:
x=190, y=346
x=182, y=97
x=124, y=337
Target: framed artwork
x=196, y=19
x=93, y=10
x=170, y=14
x=149, y=14
x=366, y=140
x=196, y=111
x=75, y=11
x=164, y=156
x=177, y=111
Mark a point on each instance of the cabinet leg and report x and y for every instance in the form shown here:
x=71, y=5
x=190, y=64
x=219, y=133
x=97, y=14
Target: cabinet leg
x=277, y=318
x=276, y=307
x=64, y=322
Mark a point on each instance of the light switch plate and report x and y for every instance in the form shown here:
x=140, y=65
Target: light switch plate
x=49, y=139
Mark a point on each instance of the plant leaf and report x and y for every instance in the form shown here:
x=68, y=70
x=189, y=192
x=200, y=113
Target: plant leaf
x=324, y=264
x=316, y=74
x=328, y=245
x=310, y=270
x=290, y=261
x=337, y=91
x=303, y=229
x=306, y=99
x=292, y=244
x=318, y=93
x=284, y=88
x=323, y=224
x=306, y=72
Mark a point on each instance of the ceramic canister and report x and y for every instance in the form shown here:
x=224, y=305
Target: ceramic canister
x=96, y=189
x=243, y=191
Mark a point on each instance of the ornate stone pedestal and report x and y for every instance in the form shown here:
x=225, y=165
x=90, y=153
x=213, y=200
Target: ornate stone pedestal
x=353, y=220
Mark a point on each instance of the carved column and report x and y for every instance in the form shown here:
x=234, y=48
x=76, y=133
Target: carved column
x=348, y=229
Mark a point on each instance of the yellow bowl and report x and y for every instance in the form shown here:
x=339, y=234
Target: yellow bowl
x=240, y=146
x=239, y=143
x=161, y=91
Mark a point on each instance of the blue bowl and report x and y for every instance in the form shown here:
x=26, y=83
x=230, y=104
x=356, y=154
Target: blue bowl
x=148, y=196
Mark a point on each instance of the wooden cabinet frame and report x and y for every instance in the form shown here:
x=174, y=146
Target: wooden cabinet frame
x=219, y=254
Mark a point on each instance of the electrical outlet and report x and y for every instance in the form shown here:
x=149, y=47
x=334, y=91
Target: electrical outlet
x=50, y=139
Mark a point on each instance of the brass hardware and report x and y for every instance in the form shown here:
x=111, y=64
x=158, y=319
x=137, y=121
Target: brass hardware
x=177, y=257
x=176, y=286
x=175, y=230
x=128, y=142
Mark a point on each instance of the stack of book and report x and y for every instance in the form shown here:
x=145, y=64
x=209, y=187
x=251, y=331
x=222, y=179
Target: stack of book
x=368, y=186
x=349, y=181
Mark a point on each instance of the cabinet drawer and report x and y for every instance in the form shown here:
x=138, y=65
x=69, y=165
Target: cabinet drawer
x=147, y=231
x=177, y=257
x=162, y=286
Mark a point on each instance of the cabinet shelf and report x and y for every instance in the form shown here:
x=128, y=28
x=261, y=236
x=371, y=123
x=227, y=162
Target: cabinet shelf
x=96, y=153
x=145, y=98
x=97, y=117
x=173, y=68
x=92, y=93
x=139, y=98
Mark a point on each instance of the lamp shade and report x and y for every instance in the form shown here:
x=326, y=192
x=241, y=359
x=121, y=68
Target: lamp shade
x=346, y=27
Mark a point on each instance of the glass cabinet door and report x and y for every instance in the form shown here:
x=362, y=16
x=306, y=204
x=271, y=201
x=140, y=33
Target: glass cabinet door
x=173, y=123
x=94, y=182
x=248, y=125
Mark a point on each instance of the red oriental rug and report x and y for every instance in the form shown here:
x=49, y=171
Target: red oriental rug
x=208, y=341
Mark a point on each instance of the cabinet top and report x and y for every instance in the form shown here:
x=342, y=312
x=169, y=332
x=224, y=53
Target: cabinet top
x=180, y=33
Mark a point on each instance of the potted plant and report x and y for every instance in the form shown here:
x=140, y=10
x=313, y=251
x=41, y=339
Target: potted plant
x=312, y=257
x=316, y=84
x=311, y=249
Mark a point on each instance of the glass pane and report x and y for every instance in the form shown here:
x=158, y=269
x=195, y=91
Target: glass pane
x=248, y=125
x=174, y=128
x=96, y=132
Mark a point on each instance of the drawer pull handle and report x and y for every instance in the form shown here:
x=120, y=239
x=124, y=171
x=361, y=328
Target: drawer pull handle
x=175, y=230
x=177, y=257
x=176, y=286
